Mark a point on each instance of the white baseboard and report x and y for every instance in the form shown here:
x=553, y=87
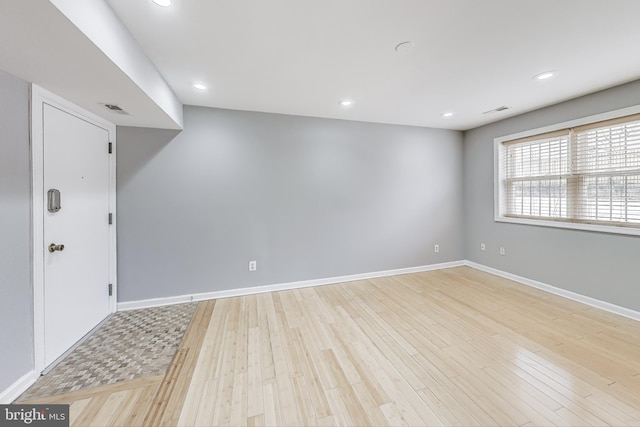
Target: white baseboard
x=157, y=302
x=17, y=388
x=602, y=305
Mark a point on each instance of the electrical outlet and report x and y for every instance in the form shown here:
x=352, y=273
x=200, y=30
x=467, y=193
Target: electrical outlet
x=436, y=248
x=483, y=247
x=253, y=266
x=502, y=251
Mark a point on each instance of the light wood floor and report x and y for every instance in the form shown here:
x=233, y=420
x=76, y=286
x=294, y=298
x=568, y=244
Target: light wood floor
x=454, y=347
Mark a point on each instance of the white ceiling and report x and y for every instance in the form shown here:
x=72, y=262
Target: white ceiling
x=39, y=44
x=470, y=56
x=302, y=56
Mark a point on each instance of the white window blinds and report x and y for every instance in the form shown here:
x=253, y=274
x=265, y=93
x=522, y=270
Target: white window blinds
x=587, y=174
x=536, y=175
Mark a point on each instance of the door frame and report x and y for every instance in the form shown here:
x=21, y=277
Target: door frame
x=40, y=97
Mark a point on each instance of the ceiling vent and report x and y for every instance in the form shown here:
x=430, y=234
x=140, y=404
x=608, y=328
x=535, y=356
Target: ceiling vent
x=495, y=110
x=115, y=109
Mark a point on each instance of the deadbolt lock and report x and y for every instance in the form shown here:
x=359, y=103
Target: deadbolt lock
x=53, y=247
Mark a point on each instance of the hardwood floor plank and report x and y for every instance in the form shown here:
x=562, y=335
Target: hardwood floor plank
x=167, y=409
x=215, y=407
x=341, y=414
x=283, y=361
x=393, y=416
x=138, y=414
x=127, y=407
x=304, y=402
x=364, y=370
x=314, y=387
x=239, y=401
x=345, y=393
x=202, y=368
x=491, y=404
x=92, y=409
x=98, y=391
x=563, y=395
x=254, y=371
x=446, y=409
x=76, y=408
x=256, y=421
x=272, y=414
x=369, y=404
x=108, y=410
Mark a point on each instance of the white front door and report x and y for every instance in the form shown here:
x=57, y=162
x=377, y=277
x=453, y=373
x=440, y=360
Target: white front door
x=76, y=278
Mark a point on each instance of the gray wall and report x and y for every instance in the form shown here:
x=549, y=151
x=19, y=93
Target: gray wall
x=602, y=266
x=307, y=198
x=16, y=314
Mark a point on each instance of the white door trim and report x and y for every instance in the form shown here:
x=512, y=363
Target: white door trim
x=39, y=97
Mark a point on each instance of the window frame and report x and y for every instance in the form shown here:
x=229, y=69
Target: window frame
x=500, y=195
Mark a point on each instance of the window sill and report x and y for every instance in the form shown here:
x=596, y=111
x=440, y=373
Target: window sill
x=597, y=228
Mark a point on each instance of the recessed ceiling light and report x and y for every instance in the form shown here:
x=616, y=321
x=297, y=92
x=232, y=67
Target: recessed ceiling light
x=346, y=103
x=200, y=86
x=544, y=76
x=447, y=114
x=163, y=3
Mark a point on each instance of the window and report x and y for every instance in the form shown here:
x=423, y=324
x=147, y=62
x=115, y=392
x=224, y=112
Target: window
x=582, y=176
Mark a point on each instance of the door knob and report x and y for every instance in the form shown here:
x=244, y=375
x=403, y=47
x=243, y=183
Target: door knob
x=53, y=247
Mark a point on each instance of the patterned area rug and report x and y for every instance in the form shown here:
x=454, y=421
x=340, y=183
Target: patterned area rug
x=131, y=344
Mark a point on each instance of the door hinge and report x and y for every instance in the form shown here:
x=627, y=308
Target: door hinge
x=110, y=147
x=110, y=218
x=110, y=289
